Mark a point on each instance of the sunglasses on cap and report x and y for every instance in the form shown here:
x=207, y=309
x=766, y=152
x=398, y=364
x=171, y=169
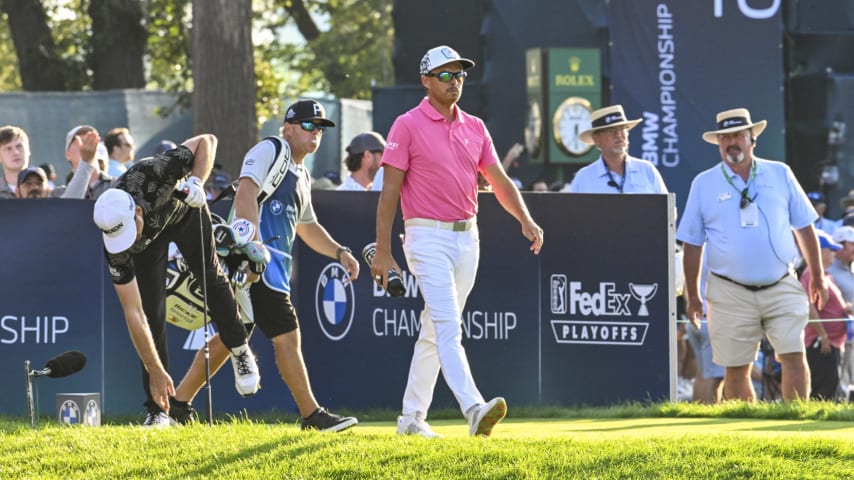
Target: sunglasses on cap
x=446, y=76
x=311, y=126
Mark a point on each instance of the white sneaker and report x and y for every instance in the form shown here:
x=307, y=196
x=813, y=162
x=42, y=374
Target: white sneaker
x=246, y=377
x=486, y=416
x=409, y=425
x=157, y=420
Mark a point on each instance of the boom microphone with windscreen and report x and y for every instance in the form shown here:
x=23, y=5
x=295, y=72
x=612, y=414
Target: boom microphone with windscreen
x=62, y=365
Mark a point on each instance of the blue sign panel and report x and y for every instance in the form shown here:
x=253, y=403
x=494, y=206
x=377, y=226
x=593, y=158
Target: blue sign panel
x=676, y=64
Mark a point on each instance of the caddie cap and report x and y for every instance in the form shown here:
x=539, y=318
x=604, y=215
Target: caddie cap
x=308, y=111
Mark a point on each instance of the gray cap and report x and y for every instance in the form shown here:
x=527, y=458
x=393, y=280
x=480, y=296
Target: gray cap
x=364, y=142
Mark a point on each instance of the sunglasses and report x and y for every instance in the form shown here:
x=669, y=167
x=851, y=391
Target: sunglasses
x=311, y=126
x=745, y=199
x=446, y=76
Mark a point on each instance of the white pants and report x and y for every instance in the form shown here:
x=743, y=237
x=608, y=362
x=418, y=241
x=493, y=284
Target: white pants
x=445, y=263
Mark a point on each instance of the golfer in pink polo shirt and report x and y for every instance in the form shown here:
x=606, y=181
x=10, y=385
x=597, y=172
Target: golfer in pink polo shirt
x=432, y=157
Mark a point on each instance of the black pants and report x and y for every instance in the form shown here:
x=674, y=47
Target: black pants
x=150, y=267
x=824, y=372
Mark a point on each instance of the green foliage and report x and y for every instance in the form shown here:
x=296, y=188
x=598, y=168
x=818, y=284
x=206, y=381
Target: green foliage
x=168, y=51
x=352, y=53
x=9, y=78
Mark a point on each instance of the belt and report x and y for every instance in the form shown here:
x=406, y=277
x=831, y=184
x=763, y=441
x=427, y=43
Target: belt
x=752, y=288
x=460, y=226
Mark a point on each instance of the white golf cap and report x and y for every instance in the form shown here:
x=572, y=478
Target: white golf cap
x=115, y=215
x=442, y=55
x=73, y=133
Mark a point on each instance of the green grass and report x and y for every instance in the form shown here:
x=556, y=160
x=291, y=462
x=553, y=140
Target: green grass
x=729, y=441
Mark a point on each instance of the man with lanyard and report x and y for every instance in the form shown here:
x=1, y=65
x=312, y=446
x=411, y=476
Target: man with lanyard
x=432, y=158
x=744, y=210
x=615, y=171
x=274, y=175
x=139, y=217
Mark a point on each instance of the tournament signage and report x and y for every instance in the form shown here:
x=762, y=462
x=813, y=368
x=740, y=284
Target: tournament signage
x=590, y=321
x=676, y=64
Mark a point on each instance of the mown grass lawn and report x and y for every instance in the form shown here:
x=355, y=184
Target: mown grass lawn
x=732, y=441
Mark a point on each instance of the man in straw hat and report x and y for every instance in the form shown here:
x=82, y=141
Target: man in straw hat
x=618, y=172
x=744, y=210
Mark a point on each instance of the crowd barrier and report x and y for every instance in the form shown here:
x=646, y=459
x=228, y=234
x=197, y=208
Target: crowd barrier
x=590, y=321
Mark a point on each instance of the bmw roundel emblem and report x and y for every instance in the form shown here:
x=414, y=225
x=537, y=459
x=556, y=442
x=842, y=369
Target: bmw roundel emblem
x=334, y=302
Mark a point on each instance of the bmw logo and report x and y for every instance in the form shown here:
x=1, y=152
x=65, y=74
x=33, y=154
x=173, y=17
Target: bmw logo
x=276, y=207
x=334, y=302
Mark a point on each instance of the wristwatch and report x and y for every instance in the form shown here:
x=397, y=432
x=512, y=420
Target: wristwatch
x=341, y=250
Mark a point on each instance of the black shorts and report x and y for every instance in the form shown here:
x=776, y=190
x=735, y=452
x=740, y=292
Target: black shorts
x=273, y=311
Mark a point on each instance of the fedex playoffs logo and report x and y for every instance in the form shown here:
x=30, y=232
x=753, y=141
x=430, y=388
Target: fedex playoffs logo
x=334, y=301
x=571, y=298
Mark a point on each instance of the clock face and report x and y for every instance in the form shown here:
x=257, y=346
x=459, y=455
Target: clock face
x=534, y=128
x=571, y=118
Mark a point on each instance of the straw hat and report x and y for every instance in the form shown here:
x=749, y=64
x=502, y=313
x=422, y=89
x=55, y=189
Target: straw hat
x=607, y=117
x=733, y=121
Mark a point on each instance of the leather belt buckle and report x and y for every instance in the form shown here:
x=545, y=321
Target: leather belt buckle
x=460, y=226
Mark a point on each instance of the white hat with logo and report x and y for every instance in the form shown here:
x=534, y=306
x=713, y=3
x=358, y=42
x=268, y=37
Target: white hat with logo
x=442, y=55
x=115, y=215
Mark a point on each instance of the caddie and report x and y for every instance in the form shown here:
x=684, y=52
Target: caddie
x=273, y=205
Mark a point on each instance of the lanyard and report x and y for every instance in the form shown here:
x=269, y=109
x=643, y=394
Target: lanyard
x=611, y=181
x=745, y=195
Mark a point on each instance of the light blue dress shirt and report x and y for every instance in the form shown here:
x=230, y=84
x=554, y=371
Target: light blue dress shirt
x=641, y=177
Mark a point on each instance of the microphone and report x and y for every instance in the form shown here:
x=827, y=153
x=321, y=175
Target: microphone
x=396, y=288
x=613, y=184
x=62, y=365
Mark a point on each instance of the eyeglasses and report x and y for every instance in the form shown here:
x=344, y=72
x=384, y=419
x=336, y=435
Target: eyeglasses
x=311, y=126
x=446, y=76
x=745, y=199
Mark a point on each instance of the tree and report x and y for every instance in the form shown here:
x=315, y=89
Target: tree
x=118, y=44
x=38, y=61
x=351, y=56
x=224, y=77
x=74, y=45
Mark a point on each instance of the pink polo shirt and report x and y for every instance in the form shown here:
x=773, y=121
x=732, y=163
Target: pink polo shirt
x=441, y=160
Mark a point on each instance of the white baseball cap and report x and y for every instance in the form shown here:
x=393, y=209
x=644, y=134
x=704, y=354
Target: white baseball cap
x=115, y=215
x=73, y=133
x=442, y=55
x=843, y=234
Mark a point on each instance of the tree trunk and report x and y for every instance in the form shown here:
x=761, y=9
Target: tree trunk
x=40, y=67
x=118, y=44
x=305, y=24
x=224, y=77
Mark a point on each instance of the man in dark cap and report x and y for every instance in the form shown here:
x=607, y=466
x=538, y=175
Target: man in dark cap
x=273, y=170
x=363, y=161
x=32, y=183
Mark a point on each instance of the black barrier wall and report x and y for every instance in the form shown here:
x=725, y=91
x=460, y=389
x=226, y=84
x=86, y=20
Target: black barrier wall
x=590, y=321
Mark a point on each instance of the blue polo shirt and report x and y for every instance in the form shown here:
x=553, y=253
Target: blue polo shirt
x=641, y=177
x=756, y=255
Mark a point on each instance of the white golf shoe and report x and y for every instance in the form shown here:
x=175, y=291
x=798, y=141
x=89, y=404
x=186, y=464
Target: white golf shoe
x=247, y=380
x=485, y=416
x=409, y=425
